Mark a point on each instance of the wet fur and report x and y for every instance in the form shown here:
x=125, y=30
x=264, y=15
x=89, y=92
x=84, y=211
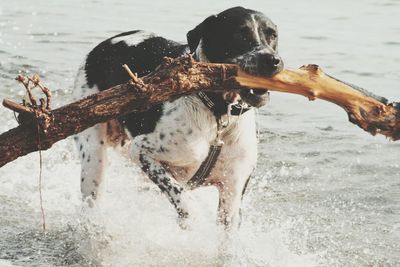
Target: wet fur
x=171, y=140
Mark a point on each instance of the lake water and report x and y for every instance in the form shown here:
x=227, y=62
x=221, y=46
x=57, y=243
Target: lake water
x=325, y=193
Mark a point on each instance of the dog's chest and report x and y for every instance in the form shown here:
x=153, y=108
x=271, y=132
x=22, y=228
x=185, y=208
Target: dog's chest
x=183, y=133
x=182, y=138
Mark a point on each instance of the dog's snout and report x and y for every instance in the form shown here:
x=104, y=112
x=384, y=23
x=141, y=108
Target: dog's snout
x=276, y=60
x=268, y=64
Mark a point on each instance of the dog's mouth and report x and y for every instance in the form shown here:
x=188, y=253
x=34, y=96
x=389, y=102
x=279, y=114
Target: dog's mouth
x=247, y=98
x=254, y=98
x=259, y=64
x=231, y=97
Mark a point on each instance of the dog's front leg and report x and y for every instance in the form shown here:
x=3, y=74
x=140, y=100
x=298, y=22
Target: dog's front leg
x=167, y=184
x=230, y=200
x=93, y=155
x=228, y=207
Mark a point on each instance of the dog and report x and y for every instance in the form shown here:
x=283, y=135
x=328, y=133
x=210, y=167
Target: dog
x=197, y=140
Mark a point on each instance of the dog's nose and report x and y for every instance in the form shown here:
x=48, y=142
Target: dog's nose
x=268, y=64
x=276, y=60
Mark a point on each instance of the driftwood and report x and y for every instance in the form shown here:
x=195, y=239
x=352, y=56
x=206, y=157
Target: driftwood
x=372, y=113
x=40, y=127
x=172, y=78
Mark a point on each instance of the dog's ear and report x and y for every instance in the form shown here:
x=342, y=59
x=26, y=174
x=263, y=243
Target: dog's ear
x=194, y=36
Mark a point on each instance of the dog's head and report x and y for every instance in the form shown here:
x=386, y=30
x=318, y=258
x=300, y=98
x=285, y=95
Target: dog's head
x=241, y=36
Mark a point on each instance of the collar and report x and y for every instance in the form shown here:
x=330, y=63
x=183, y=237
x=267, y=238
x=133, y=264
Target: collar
x=218, y=108
x=213, y=100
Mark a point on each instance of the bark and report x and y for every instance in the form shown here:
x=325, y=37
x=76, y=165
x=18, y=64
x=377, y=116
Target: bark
x=41, y=127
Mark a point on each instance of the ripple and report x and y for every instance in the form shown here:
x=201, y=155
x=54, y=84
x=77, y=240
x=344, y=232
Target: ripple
x=367, y=74
x=341, y=18
x=6, y=76
x=387, y=4
x=363, y=73
x=43, y=41
x=327, y=129
x=392, y=43
x=10, y=70
x=311, y=154
x=61, y=247
x=65, y=42
x=40, y=34
x=314, y=37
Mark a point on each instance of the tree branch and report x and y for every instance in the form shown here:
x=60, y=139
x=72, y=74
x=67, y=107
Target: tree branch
x=372, y=113
x=174, y=78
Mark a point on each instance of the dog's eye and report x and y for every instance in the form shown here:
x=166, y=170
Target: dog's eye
x=271, y=34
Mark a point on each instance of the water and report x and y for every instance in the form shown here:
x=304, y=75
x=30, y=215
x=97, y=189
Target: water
x=325, y=192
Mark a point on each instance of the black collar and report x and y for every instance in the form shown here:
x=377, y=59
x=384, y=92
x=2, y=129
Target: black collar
x=216, y=103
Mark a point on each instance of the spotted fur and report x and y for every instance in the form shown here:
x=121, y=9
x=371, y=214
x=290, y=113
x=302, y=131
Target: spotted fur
x=171, y=140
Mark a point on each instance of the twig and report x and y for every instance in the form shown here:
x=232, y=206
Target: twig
x=25, y=81
x=133, y=76
x=17, y=107
x=36, y=81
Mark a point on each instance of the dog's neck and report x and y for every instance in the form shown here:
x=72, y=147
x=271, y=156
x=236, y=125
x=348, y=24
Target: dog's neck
x=218, y=104
x=214, y=101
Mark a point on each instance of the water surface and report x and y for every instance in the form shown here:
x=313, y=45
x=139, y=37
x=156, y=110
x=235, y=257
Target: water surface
x=325, y=193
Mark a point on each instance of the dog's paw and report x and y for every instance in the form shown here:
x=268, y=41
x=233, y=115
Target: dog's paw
x=231, y=251
x=188, y=211
x=184, y=223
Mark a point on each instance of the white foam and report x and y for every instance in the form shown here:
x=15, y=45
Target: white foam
x=5, y=263
x=133, y=224
x=143, y=230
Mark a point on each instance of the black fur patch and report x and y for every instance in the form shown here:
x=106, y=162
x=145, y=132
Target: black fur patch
x=104, y=69
x=220, y=105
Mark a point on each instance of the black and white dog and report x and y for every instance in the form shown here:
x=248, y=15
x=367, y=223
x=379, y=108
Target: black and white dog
x=197, y=140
